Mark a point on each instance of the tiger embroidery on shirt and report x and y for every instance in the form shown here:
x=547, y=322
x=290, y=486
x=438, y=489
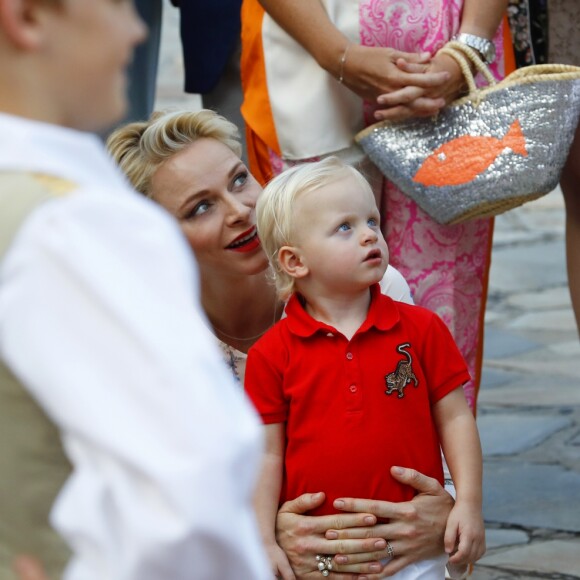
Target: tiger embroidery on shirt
x=403, y=374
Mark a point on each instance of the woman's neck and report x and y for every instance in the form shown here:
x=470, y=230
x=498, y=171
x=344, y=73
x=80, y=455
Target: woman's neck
x=240, y=308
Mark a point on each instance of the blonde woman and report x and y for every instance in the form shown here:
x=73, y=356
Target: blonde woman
x=190, y=164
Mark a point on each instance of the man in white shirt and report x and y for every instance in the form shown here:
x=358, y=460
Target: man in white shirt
x=102, y=335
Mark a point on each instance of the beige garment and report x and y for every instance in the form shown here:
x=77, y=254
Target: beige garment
x=33, y=466
x=564, y=31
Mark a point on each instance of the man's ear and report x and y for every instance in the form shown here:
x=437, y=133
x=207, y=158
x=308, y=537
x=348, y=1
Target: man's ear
x=21, y=21
x=291, y=262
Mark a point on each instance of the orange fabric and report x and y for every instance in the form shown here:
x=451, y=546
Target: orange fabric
x=256, y=108
x=479, y=354
x=258, y=157
x=508, y=48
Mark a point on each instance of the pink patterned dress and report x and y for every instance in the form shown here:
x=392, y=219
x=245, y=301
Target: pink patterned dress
x=445, y=266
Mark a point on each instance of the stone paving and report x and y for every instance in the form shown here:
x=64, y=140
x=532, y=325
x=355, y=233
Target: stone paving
x=529, y=405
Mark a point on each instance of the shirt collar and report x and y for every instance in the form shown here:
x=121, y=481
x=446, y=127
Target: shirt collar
x=37, y=147
x=383, y=314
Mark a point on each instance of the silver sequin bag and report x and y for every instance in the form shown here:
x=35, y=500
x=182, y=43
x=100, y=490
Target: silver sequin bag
x=488, y=152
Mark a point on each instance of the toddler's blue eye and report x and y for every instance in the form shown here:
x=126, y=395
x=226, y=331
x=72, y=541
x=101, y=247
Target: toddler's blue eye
x=343, y=227
x=372, y=222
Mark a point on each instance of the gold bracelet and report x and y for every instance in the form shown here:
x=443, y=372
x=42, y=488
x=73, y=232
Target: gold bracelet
x=342, y=61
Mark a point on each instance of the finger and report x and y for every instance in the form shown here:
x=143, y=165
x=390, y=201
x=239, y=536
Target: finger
x=396, y=565
x=364, y=568
x=411, y=67
x=459, y=558
x=450, y=538
x=462, y=554
x=355, y=533
x=400, y=105
x=426, y=80
x=332, y=526
x=369, y=506
x=400, y=97
x=363, y=557
x=418, y=481
x=399, y=113
x=28, y=568
x=285, y=571
x=342, y=547
x=340, y=522
x=303, y=503
x=412, y=57
x=426, y=106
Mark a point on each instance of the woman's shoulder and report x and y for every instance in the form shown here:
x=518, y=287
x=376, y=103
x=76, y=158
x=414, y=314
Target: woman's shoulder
x=395, y=286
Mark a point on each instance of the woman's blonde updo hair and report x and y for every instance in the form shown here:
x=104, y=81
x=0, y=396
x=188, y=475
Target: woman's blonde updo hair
x=140, y=148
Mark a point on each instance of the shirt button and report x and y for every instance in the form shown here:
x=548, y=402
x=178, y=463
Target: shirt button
x=353, y=388
x=330, y=334
x=349, y=355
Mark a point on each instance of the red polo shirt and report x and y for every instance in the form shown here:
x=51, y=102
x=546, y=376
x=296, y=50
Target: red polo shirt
x=343, y=430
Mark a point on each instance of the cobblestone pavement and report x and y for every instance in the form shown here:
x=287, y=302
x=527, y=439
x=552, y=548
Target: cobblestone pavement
x=529, y=406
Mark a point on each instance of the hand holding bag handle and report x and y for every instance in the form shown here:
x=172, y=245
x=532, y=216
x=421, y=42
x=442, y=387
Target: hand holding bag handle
x=488, y=151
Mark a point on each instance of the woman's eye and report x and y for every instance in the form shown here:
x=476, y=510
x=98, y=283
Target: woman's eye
x=240, y=179
x=343, y=227
x=373, y=223
x=199, y=209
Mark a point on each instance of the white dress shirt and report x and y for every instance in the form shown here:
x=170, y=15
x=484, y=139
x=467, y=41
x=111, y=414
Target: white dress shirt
x=100, y=320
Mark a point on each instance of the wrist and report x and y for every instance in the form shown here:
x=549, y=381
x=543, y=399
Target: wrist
x=471, y=501
x=332, y=57
x=483, y=45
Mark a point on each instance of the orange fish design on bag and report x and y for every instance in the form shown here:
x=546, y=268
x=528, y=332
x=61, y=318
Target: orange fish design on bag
x=461, y=160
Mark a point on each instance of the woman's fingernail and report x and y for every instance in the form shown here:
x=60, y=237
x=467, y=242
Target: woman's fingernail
x=331, y=535
x=341, y=559
x=380, y=544
x=375, y=567
x=369, y=520
x=398, y=470
x=338, y=504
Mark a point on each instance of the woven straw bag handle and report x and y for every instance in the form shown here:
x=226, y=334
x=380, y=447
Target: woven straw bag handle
x=464, y=55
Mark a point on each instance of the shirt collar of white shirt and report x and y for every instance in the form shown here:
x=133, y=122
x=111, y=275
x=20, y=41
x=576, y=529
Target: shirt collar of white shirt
x=38, y=147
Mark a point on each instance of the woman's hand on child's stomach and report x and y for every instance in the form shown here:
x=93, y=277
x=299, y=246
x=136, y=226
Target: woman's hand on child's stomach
x=415, y=530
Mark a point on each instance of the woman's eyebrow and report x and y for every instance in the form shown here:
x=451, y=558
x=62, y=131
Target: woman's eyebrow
x=190, y=199
x=235, y=168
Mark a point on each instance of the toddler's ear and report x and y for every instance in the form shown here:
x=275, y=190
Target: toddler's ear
x=291, y=262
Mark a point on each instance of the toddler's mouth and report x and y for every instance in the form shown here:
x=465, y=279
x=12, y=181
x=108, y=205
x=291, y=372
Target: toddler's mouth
x=373, y=255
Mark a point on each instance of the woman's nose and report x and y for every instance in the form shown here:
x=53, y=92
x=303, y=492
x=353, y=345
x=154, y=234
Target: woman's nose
x=237, y=211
